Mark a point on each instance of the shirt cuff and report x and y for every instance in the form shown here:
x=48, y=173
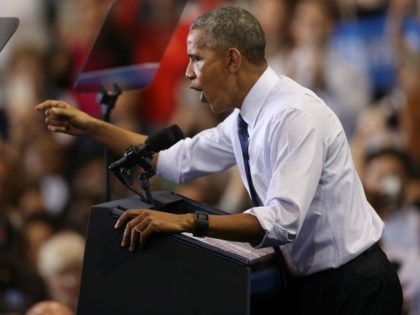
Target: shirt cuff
x=274, y=235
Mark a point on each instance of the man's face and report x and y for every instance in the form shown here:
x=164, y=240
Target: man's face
x=385, y=184
x=208, y=72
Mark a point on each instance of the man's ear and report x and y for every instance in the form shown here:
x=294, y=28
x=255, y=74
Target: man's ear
x=233, y=59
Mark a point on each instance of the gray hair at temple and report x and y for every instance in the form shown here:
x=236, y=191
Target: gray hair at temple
x=232, y=27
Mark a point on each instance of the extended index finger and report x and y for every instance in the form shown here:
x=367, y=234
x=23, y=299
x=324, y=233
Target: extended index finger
x=49, y=104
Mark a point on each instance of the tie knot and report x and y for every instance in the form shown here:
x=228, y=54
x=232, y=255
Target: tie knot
x=242, y=126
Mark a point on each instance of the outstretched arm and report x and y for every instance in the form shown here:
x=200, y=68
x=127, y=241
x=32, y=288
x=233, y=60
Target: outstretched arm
x=64, y=118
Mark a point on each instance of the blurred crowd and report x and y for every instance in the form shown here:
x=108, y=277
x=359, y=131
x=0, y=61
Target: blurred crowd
x=361, y=56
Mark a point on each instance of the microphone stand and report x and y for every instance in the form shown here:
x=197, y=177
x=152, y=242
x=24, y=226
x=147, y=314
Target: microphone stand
x=145, y=163
x=123, y=174
x=142, y=156
x=107, y=101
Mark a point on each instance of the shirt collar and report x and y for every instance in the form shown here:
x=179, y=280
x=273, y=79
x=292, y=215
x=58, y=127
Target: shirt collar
x=256, y=97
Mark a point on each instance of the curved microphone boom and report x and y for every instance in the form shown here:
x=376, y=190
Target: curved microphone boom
x=161, y=140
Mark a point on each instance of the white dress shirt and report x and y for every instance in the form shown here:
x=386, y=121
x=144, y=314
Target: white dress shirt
x=313, y=201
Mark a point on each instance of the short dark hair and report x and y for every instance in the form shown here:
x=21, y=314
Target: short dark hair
x=399, y=154
x=233, y=27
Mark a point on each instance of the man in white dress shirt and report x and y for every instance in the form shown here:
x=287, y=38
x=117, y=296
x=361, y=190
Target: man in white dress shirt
x=308, y=198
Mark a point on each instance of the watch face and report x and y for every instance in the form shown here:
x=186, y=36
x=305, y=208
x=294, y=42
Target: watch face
x=201, y=224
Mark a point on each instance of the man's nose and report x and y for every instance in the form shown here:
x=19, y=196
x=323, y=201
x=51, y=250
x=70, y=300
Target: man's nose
x=189, y=73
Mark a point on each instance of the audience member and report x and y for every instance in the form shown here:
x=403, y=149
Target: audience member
x=36, y=230
x=386, y=180
x=315, y=63
x=368, y=32
x=59, y=263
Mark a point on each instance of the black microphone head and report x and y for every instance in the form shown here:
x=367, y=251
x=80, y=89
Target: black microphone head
x=165, y=138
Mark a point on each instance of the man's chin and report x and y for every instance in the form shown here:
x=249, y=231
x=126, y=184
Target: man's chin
x=216, y=109
x=219, y=109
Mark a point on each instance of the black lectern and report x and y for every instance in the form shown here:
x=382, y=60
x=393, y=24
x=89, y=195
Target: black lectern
x=173, y=274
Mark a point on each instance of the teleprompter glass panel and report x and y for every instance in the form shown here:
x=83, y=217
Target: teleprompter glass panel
x=130, y=44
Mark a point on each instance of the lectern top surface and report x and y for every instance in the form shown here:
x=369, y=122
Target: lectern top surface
x=238, y=248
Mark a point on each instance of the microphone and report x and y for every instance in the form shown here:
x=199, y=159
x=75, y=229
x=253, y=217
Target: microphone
x=161, y=140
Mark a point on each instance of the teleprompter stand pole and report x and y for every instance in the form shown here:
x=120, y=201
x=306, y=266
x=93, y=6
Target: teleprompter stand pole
x=107, y=101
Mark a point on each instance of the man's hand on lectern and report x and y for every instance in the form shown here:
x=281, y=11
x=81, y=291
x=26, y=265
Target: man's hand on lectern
x=141, y=223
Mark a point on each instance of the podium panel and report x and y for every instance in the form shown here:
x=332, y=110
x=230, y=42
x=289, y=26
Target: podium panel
x=173, y=274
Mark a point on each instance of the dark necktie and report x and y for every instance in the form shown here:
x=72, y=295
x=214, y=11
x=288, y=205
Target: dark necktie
x=244, y=140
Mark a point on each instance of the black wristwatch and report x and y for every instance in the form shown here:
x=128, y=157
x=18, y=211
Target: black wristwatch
x=201, y=224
